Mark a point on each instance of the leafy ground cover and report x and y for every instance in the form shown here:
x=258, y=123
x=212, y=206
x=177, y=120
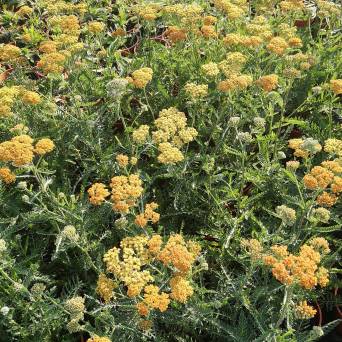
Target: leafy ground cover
x=170, y=170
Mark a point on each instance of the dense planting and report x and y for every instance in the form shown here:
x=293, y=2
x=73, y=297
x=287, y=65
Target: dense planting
x=170, y=170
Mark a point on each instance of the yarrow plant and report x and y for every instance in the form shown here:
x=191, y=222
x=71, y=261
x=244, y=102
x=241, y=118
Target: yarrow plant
x=170, y=170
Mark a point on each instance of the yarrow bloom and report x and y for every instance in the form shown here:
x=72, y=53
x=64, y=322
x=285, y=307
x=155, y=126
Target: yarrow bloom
x=130, y=264
x=31, y=97
x=286, y=214
x=181, y=289
x=9, y=53
x=171, y=134
x=44, y=146
x=268, y=82
x=105, y=287
x=210, y=69
x=302, y=268
x=240, y=82
x=20, y=150
x=148, y=215
x=277, y=45
x=125, y=192
x=122, y=160
x=140, y=135
x=304, y=311
x=336, y=86
x=97, y=193
x=52, y=62
x=195, y=91
x=141, y=77
x=98, y=339
x=7, y=176
x=96, y=27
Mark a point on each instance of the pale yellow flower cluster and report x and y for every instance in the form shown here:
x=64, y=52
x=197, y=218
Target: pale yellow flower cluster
x=171, y=134
x=196, y=91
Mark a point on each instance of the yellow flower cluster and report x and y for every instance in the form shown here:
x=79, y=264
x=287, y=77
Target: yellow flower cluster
x=6, y=175
x=48, y=46
x=171, y=134
x=292, y=5
x=260, y=27
x=336, y=86
x=96, y=27
x=97, y=193
x=98, y=339
x=333, y=146
x=126, y=264
x=300, y=269
x=52, y=62
x=277, y=45
x=210, y=69
x=125, y=192
x=178, y=253
x=305, y=311
x=268, y=82
x=75, y=306
x=140, y=135
x=235, y=39
x=30, y=97
x=147, y=12
x=60, y=6
x=327, y=9
x=141, y=77
x=105, y=287
x=208, y=31
x=181, y=290
x=235, y=82
x=253, y=247
x=9, y=53
x=24, y=11
x=154, y=300
x=233, y=9
x=122, y=160
x=169, y=154
x=232, y=64
x=148, y=215
x=9, y=95
x=44, y=146
x=20, y=150
x=196, y=91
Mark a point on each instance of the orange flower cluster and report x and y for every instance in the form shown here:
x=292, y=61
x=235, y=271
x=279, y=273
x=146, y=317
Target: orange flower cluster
x=302, y=269
x=7, y=176
x=148, y=215
x=125, y=191
x=268, y=82
x=176, y=34
x=178, y=253
x=154, y=300
x=323, y=176
x=305, y=311
x=97, y=193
